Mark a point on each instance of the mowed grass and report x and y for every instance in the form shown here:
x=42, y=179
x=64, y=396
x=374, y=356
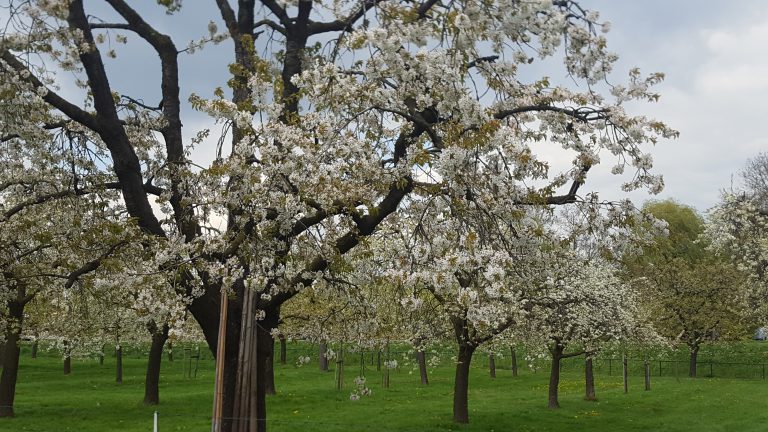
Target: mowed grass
x=89, y=400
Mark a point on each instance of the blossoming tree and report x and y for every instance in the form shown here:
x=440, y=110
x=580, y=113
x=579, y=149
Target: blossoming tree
x=335, y=108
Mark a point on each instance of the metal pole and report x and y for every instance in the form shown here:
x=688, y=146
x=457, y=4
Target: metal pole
x=218, y=396
x=155, y=428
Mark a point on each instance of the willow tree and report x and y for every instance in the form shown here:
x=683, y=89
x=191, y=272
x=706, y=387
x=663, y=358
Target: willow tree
x=334, y=108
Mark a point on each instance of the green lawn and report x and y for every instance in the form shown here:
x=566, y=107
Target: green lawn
x=89, y=400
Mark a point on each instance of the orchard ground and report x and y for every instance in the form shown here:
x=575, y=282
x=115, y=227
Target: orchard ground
x=307, y=400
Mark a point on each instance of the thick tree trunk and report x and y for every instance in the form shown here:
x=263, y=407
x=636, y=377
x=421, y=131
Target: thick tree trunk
x=694, y=349
x=589, y=377
x=269, y=374
x=323, y=360
x=11, y=355
x=554, y=376
x=492, y=365
x=2, y=353
x=421, y=359
x=283, y=350
x=152, y=382
x=119, y=364
x=514, y=361
x=461, y=384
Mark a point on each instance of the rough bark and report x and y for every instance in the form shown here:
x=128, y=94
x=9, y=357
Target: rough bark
x=461, y=384
x=11, y=356
x=554, y=376
x=694, y=349
x=514, y=361
x=421, y=359
x=119, y=364
x=589, y=377
x=152, y=382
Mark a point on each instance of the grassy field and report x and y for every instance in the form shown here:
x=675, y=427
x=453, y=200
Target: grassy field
x=89, y=400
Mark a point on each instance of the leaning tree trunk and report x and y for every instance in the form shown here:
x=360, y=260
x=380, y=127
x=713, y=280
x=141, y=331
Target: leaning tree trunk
x=554, y=376
x=269, y=385
x=461, y=384
x=514, y=361
x=694, y=358
x=589, y=377
x=11, y=355
x=119, y=364
x=421, y=359
x=152, y=382
x=323, y=360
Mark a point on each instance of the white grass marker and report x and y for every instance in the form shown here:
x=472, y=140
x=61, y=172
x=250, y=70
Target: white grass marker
x=156, y=429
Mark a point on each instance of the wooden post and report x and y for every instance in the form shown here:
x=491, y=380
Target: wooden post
x=218, y=396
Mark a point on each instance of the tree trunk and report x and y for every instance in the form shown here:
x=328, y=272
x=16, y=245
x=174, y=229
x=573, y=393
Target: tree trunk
x=421, y=359
x=101, y=356
x=554, y=376
x=11, y=355
x=589, y=377
x=67, y=359
x=170, y=352
x=119, y=364
x=461, y=384
x=269, y=374
x=323, y=361
x=492, y=365
x=34, y=348
x=694, y=357
x=647, y=370
x=625, y=372
x=152, y=382
x=283, y=350
x=514, y=361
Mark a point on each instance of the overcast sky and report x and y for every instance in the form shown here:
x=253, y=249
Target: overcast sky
x=713, y=54
x=716, y=87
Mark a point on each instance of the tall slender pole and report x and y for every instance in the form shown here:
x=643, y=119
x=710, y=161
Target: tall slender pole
x=218, y=397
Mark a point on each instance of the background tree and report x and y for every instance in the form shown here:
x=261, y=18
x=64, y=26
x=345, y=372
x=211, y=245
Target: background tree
x=692, y=294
